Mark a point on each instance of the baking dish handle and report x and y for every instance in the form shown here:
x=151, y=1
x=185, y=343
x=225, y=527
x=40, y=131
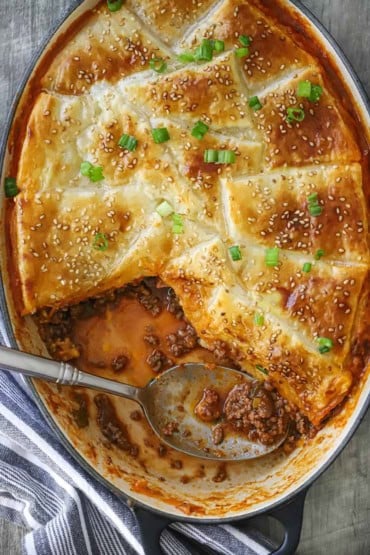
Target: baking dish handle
x=151, y=527
x=290, y=515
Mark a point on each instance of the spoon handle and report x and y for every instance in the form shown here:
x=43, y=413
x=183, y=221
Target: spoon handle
x=62, y=373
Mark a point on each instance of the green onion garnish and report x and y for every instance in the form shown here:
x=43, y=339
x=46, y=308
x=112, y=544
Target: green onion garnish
x=199, y=130
x=226, y=157
x=245, y=40
x=242, y=52
x=261, y=369
x=307, y=90
x=114, y=5
x=10, y=187
x=316, y=93
x=315, y=210
x=319, y=254
x=160, y=135
x=304, y=89
x=272, y=256
x=158, y=65
x=325, y=344
x=295, y=114
x=100, y=242
x=128, y=142
x=210, y=156
x=218, y=45
x=314, y=207
x=307, y=267
x=164, y=209
x=204, y=52
x=259, y=319
x=219, y=156
x=255, y=103
x=235, y=253
x=178, y=224
x=313, y=198
x=94, y=173
x=186, y=57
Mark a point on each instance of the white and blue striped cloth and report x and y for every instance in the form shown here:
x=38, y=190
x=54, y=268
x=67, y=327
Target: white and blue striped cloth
x=67, y=511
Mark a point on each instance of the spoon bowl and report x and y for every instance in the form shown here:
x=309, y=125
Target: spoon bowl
x=168, y=401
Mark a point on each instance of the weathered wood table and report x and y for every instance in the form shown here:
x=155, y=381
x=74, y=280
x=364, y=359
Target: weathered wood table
x=337, y=511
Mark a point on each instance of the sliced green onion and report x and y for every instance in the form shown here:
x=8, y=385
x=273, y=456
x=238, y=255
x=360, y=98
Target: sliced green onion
x=204, y=52
x=295, y=114
x=164, y=209
x=186, y=57
x=85, y=168
x=178, y=224
x=315, y=210
x=128, y=142
x=94, y=173
x=100, y=242
x=199, y=130
x=158, y=65
x=261, y=369
x=304, y=89
x=210, y=156
x=235, y=253
x=325, y=344
x=219, y=156
x=316, y=93
x=255, y=103
x=160, y=135
x=307, y=90
x=226, y=157
x=245, y=40
x=307, y=267
x=313, y=198
x=242, y=52
x=259, y=319
x=319, y=254
x=218, y=45
x=10, y=187
x=314, y=207
x=114, y=5
x=272, y=256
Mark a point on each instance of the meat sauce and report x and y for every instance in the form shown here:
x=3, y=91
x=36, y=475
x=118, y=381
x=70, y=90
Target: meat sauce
x=140, y=330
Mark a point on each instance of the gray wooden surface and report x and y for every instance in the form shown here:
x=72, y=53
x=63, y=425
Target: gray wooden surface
x=337, y=511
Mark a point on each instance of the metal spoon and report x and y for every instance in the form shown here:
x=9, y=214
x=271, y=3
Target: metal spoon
x=168, y=402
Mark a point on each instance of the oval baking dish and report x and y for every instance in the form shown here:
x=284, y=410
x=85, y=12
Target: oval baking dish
x=301, y=132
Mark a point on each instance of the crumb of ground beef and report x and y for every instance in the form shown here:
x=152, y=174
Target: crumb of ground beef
x=218, y=434
x=158, y=361
x=183, y=341
x=119, y=363
x=208, y=408
x=170, y=428
x=173, y=305
x=152, y=339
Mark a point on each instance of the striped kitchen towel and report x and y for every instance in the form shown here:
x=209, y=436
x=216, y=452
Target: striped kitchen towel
x=66, y=511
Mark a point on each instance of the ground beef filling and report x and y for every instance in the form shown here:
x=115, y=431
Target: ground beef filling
x=254, y=408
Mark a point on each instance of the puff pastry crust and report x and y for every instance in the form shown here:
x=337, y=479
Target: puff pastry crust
x=99, y=87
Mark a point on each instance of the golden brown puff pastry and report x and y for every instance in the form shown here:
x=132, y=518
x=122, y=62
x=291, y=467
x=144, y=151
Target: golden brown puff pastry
x=110, y=46
x=101, y=86
x=272, y=52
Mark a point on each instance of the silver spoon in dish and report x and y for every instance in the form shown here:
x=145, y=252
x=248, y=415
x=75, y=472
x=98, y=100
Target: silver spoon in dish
x=168, y=402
